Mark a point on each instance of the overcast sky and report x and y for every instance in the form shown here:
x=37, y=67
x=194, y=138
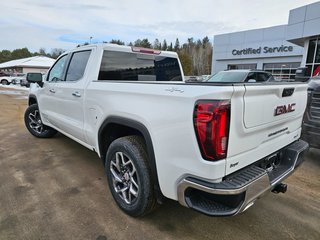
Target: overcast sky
x=66, y=23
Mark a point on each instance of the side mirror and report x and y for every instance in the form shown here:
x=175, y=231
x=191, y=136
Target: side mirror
x=35, y=78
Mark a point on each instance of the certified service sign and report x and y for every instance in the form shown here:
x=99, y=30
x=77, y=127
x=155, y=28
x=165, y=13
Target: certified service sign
x=266, y=49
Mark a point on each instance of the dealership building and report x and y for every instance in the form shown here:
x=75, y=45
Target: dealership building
x=279, y=49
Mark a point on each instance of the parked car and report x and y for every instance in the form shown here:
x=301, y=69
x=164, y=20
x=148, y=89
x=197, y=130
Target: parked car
x=241, y=76
x=215, y=147
x=24, y=82
x=13, y=79
x=18, y=78
x=5, y=80
x=311, y=120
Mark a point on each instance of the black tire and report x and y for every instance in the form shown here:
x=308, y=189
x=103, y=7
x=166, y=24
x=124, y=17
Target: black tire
x=34, y=124
x=4, y=82
x=132, y=149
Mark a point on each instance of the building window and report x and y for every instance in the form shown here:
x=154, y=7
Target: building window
x=242, y=66
x=282, y=70
x=313, y=57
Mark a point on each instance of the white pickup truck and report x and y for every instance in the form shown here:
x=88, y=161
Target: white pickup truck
x=214, y=147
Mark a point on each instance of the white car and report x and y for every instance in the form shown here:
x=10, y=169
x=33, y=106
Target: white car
x=215, y=147
x=14, y=79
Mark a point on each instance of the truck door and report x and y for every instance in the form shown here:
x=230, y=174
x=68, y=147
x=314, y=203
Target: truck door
x=69, y=96
x=47, y=104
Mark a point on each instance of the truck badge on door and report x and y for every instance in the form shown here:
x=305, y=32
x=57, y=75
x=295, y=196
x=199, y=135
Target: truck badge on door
x=284, y=109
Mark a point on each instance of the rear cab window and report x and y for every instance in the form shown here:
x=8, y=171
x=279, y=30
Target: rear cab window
x=132, y=66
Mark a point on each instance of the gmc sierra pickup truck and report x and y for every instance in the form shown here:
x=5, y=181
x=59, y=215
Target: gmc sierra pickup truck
x=214, y=147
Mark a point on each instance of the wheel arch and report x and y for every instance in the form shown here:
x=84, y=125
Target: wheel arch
x=115, y=127
x=4, y=79
x=32, y=99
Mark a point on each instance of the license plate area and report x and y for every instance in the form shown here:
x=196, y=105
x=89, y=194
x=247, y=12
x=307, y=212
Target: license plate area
x=277, y=164
x=281, y=163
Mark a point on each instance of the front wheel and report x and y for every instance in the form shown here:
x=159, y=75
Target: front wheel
x=34, y=123
x=129, y=176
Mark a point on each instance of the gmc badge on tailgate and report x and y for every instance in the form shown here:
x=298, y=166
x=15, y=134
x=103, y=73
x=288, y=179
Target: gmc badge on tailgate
x=284, y=109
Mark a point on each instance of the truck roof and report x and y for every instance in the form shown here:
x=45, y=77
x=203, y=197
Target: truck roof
x=122, y=48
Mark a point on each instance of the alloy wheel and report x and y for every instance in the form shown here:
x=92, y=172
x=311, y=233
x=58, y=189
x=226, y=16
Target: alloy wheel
x=35, y=122
x=124, y=178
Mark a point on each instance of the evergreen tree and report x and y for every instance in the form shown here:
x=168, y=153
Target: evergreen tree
x=186, y=63
x=205, y=41
x=164, y=45
x=142, y=43
x=5, y=56
x=20, y=53
x=177, y=45
x=157, y=44
x=117, y=41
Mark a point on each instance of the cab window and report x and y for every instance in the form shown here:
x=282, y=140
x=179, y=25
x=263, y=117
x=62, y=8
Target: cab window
x=77, y=66
x=57, y=71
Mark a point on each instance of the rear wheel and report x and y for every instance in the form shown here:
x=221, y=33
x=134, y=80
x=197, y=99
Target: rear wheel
x=33, y=122
x=129, y=176
x=4, y=82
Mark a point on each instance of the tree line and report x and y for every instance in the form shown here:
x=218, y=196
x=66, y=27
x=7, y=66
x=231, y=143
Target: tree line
x=195, y=55
x=7, y=55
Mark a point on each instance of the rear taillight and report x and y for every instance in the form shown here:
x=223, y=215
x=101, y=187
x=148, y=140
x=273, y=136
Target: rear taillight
x=211, y=122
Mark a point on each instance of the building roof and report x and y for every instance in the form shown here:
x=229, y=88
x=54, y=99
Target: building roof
x=37, y=61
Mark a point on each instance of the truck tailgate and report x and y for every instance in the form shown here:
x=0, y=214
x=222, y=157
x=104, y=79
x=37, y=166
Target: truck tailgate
x=264, y=119
x=267, y=105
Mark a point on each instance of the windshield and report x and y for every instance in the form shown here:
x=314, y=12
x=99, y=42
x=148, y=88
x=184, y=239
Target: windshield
x=228, y=77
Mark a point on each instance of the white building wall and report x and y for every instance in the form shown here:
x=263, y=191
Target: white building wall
x=34, y=70
x=303, y=25
x=304, y=22
x=272, y=37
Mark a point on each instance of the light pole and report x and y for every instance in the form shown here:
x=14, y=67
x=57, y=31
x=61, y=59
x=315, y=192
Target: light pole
x=90, y=39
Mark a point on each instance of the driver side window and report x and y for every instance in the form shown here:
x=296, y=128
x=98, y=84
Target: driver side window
x=56, y=73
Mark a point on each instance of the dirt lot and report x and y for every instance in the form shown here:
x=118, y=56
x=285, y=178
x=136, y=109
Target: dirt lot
x=56, y=189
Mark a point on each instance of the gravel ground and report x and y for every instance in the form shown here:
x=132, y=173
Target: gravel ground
x=56, y=189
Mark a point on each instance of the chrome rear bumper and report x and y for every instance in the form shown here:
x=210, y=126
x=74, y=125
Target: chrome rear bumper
x=240, y=190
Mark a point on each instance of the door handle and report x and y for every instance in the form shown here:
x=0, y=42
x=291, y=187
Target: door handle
x=52, y=91
x=76, y=94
